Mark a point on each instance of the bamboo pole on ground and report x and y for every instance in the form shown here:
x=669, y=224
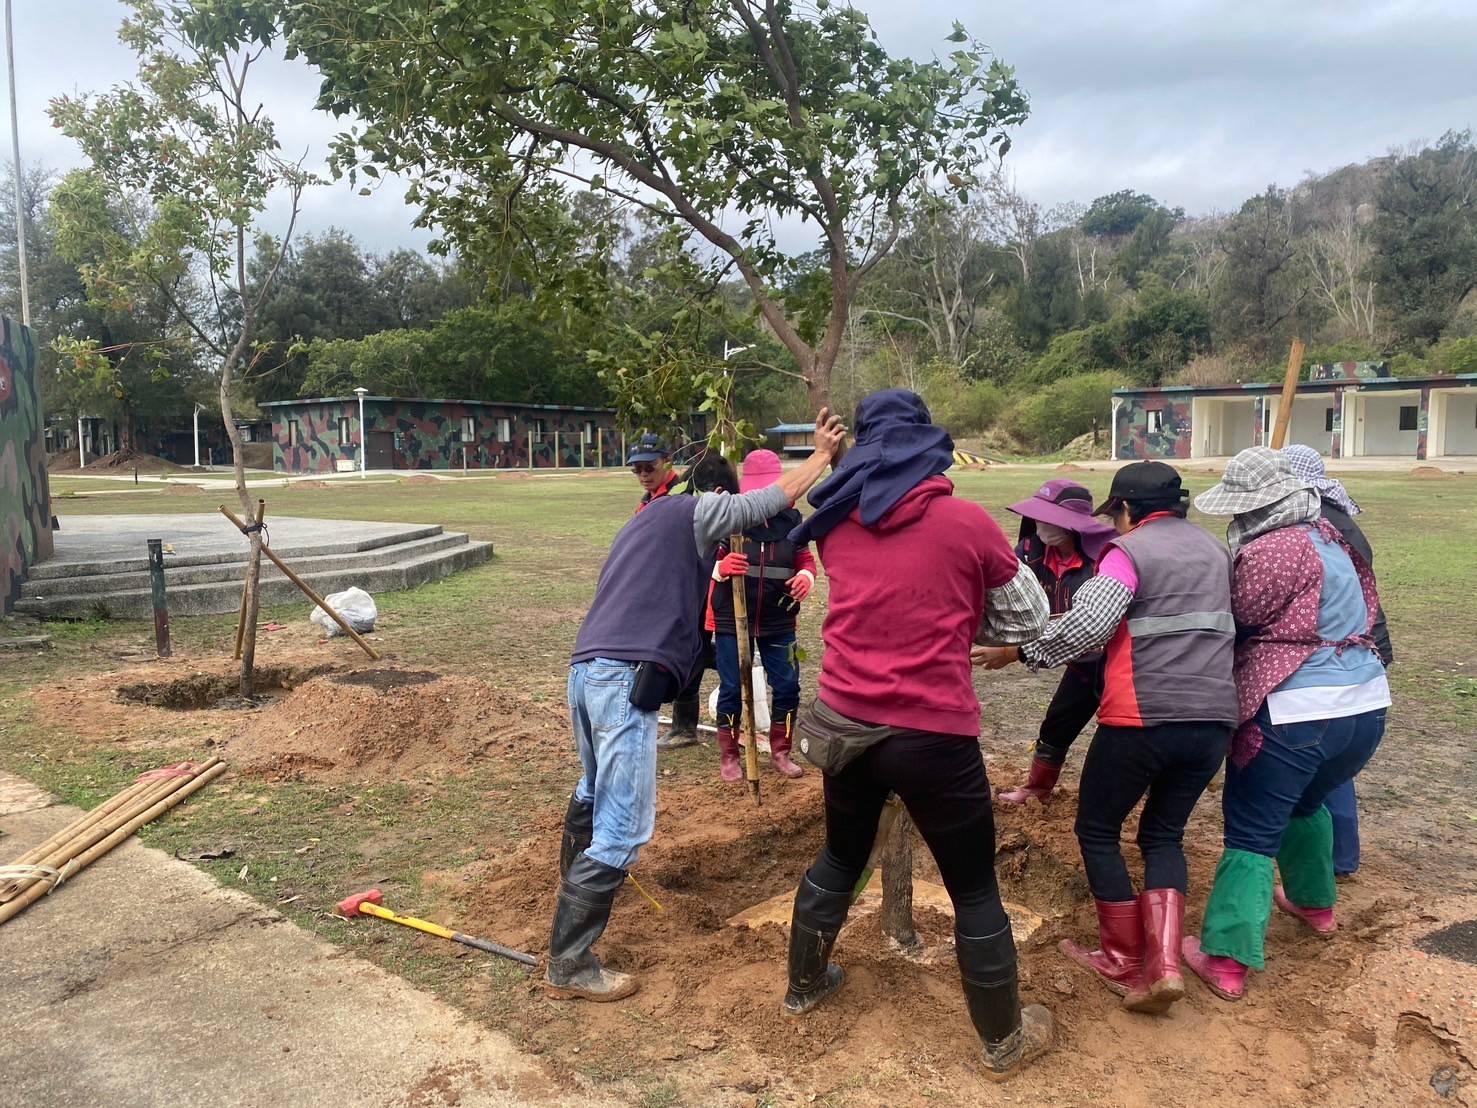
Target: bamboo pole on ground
x=306, y=588
x=261, y=512
x=110, y=805
x=746, y=670
x=82, y=861
x=1289, y=394
x=83, y=834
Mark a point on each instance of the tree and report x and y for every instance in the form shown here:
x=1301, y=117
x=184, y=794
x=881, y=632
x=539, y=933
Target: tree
x=718, y=115
x=1425, y=237
x=1339, y=261
x=191, y=163
x=1263, y=285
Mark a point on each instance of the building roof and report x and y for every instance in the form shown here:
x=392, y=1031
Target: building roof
x=432, y=400
x=1459, y=380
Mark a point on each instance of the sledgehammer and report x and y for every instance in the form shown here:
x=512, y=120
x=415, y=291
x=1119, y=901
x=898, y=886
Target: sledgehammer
x=369, y=904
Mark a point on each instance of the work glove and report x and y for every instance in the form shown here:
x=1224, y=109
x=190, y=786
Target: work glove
x=801, y=584
x=994, y=657
x=733, y=565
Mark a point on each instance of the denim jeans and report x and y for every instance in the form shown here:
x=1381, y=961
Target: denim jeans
x=1172, y=763
x=617, y=747
x=1298, y=765
x=777, y=652
x=1071, y=709
x=1343, y=806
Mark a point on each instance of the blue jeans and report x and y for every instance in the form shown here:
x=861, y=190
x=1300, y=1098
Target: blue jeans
x=777, y=652
x=1343, y=806
x=1298, y=766
x=617, y=747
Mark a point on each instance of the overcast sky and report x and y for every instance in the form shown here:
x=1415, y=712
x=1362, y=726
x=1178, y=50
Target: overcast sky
x=1197, y=102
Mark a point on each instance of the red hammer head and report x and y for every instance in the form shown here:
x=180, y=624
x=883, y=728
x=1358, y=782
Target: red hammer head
x=350, y=907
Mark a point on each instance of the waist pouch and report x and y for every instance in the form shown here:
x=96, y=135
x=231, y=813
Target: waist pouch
x=831, y=741
x=652, y=687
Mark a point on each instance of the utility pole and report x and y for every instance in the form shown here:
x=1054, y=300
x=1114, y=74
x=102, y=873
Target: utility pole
x=15, y=149
x=363, y=438
x=197, y=434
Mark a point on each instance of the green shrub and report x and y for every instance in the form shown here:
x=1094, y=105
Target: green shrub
x=1049, y=418
x=1409, y=365
x=1453, y=356
x=965, y=407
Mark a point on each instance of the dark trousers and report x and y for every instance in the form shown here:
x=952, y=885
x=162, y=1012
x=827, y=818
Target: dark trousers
x=1292, y=775
x=941, y=780
x=1172, y=763
x=1343, y=806
x=1071, y=709
x=777, y=653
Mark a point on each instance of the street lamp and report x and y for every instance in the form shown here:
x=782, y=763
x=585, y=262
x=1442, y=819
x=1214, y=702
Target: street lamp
x=730, y=351
x=198, y=407
x=1117, y=403
x=363, y=438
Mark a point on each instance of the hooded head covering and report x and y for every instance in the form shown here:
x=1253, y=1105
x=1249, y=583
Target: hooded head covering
x=1307, y=464
x=761, y=469
x=897, y=446
x=1259, y=490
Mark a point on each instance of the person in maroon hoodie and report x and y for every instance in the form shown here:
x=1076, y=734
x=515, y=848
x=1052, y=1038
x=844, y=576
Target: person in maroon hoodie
x=915, y=575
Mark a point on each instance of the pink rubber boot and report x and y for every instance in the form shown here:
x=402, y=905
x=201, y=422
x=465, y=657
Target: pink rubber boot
x=1319, y=919
x=1225, y=977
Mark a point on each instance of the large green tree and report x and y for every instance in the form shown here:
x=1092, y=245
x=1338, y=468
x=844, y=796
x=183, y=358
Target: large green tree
x=719, y=115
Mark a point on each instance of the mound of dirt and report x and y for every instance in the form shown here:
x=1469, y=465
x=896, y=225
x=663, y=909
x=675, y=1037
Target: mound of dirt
x=178, y=488
x=311, y=485
x=1432, y=471
x=420, y=479
x=121, y=461
x=390, y=724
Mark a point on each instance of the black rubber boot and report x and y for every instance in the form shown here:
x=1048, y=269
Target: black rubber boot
x=585, y=899
x=814, y=925
x=683, y=731
x=1012, y=1035
x=579, y=830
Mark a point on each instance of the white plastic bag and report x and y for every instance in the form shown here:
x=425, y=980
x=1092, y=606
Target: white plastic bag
x=761, y=703
x=355, y=605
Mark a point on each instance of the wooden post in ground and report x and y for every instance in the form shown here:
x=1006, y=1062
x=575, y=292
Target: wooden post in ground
x=746, y=670
x=897, y=885
x=599, y=447
x=261, y=512
x=1289, y=394
x=530, y=450
x=304, y=586
x=161, y=602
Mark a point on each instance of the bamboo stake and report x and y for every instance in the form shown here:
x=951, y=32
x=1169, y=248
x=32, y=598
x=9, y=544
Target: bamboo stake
x=261, y=511
x=82, y=861
x=306, y=588
x=61, y=854
x=1289, y=394
x=113, y=803
x=746, y=671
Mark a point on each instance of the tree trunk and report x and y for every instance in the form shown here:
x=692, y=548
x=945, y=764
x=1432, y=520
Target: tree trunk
x=897, y=885
x=248, y=511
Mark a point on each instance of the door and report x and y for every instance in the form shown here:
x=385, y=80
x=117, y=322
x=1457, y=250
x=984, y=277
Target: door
x=381, y=452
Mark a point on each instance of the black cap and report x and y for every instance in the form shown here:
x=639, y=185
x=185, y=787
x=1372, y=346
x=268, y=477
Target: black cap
x=1143, y=481
x=648, y=448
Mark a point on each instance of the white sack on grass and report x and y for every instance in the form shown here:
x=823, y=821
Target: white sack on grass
x=761, y=701
x=355, y=605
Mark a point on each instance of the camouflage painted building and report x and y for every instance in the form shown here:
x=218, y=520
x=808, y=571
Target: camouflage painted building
x=25, y=493
x=323, y=435
x=1347, y=409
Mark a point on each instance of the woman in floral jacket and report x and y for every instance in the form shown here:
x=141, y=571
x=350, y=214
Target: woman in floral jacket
x=1313, y=697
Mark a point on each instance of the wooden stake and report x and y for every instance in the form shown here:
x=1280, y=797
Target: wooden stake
x=82, y=861
x=1289, y=394
x=746, y=670
x=304, y=586
x=261, y=512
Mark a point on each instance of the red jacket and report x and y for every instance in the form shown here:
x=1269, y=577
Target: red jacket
x=906, y=597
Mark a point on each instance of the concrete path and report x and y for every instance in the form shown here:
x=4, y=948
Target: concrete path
x=143, y=983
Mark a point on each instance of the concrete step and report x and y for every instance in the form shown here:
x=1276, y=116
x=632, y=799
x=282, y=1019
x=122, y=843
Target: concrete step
x=205, y=573
x=287, y=551
x=216, y=597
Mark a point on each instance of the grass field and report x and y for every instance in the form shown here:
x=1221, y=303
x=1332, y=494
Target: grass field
x=303, y=844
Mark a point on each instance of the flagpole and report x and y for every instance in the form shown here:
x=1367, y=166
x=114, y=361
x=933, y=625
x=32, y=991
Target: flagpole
x=15, y=146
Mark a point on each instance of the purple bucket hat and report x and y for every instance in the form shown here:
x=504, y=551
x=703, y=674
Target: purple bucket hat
x=1066, y=504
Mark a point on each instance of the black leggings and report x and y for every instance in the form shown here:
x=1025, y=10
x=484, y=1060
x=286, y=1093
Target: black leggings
x=1172, y=763
x=1071, y=709
x=941, y=779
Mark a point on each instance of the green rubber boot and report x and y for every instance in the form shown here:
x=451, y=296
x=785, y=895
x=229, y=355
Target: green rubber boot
x=1240, y=905
x=1306, y=861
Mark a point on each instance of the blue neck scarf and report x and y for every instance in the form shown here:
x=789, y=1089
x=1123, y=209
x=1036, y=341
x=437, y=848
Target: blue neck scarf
x=897, y=446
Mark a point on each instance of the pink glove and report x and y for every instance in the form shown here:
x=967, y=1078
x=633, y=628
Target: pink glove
x=801, y=584
x=733, y=565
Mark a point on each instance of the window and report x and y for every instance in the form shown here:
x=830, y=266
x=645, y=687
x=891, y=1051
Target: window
x=469, y=429
x=504, y=429
x=344, y=435
x=1154, y=421
x=294, y=436
x=1407, y=417
x=1328, y=419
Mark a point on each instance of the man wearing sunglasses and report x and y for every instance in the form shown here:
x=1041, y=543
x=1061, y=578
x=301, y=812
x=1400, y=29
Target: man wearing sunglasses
x=648, y=461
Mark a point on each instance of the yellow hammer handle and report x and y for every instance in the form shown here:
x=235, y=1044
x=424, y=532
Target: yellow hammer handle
x=407, y=921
